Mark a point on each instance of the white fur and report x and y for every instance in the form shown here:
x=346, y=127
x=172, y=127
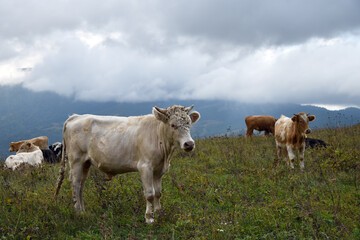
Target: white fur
x=31, y=158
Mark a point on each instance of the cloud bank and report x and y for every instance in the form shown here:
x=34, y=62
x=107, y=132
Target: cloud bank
x=247, y=51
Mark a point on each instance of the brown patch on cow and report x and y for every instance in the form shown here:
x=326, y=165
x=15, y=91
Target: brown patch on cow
x=41, y=142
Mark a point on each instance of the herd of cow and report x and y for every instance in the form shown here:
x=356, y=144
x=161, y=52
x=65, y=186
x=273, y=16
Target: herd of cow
x=145, y=144
x=33, y=152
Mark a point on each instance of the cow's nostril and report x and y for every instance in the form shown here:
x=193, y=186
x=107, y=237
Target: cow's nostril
x=188, y=146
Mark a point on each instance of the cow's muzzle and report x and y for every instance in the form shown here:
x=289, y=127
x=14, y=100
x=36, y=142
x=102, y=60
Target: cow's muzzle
x=189, y=146
x=308, y=131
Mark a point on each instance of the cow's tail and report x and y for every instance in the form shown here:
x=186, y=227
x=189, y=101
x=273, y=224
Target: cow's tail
x=63, y=165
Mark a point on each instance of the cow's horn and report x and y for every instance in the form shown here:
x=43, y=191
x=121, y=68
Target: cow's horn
x=188, y=109
x=163, y=111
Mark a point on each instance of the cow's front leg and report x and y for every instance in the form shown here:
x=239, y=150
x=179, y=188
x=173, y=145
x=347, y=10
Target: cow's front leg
x=157, y=188
x=149, y=192
x=291, y=154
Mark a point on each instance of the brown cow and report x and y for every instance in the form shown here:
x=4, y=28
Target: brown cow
x=41, y=142
x=261, y=123
x=290, y=134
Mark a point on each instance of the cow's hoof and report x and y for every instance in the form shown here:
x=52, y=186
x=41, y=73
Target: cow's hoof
x=150, y=220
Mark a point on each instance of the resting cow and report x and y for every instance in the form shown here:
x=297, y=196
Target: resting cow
x=53, y=154
x=315, y=143
x=28, y=154
x=41, y=142
x=290, y=134
x=261, y=123
x=118, y=145
x=56, y=148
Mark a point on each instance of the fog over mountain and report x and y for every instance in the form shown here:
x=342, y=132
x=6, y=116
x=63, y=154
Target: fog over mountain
x=25, y=114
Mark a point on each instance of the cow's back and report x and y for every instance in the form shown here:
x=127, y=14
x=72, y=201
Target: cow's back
x=31, y=158
x=260, y=122
x=113, y=144
x=42, y=142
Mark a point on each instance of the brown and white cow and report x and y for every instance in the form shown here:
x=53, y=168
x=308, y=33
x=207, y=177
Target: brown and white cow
x=41, y=142
x=290, y=134
x=261, y=123
x=118, y=145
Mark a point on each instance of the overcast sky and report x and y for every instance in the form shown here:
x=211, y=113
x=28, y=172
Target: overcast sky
x=253, y=51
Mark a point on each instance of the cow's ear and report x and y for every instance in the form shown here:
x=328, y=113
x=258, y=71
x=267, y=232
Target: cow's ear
x=160, y=114
x=294, y=118
x=311, y=118
x=194, y=116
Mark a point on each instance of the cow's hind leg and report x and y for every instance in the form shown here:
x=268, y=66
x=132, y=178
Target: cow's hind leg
x=85, y=171
x=267, y=133
x=280, y=153
x=78, y=174
x=149, y=192
x=301, y=156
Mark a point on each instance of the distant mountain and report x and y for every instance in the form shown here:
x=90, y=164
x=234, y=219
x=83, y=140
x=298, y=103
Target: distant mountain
x=25, y=114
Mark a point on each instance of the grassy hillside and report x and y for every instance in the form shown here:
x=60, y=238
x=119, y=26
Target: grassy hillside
x=226, y=189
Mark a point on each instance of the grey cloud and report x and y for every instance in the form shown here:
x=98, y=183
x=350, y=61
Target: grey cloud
x=188, y=49
x=248, y=22
x=259, y=22
x=308, y=73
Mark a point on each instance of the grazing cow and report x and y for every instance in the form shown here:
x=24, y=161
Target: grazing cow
x=261, y=123
x=42, y=142
x=118, y=145
x=290, y=134
x=314, y=143
x=28, y=154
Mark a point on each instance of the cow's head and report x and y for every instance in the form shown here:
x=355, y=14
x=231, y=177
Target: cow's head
x=178, y=121
x=28, y=147
x=302, y=121
x=14, y=146
x=11, y=149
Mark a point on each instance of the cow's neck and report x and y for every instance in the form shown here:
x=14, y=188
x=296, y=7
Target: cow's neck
x=165, y=141
x=296, y=134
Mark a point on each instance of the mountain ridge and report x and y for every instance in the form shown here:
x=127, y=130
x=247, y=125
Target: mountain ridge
x=25, y=114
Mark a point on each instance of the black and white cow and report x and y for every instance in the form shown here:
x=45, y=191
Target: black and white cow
x=53, y=154
x=315, y=143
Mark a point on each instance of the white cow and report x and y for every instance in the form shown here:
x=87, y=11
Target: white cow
x=28, y=153
x=118, y=145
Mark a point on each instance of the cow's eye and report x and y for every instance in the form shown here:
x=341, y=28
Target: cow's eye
x=174, y=126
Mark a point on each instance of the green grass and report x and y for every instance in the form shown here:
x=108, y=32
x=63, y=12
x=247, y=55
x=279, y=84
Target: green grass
x=226, y=188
